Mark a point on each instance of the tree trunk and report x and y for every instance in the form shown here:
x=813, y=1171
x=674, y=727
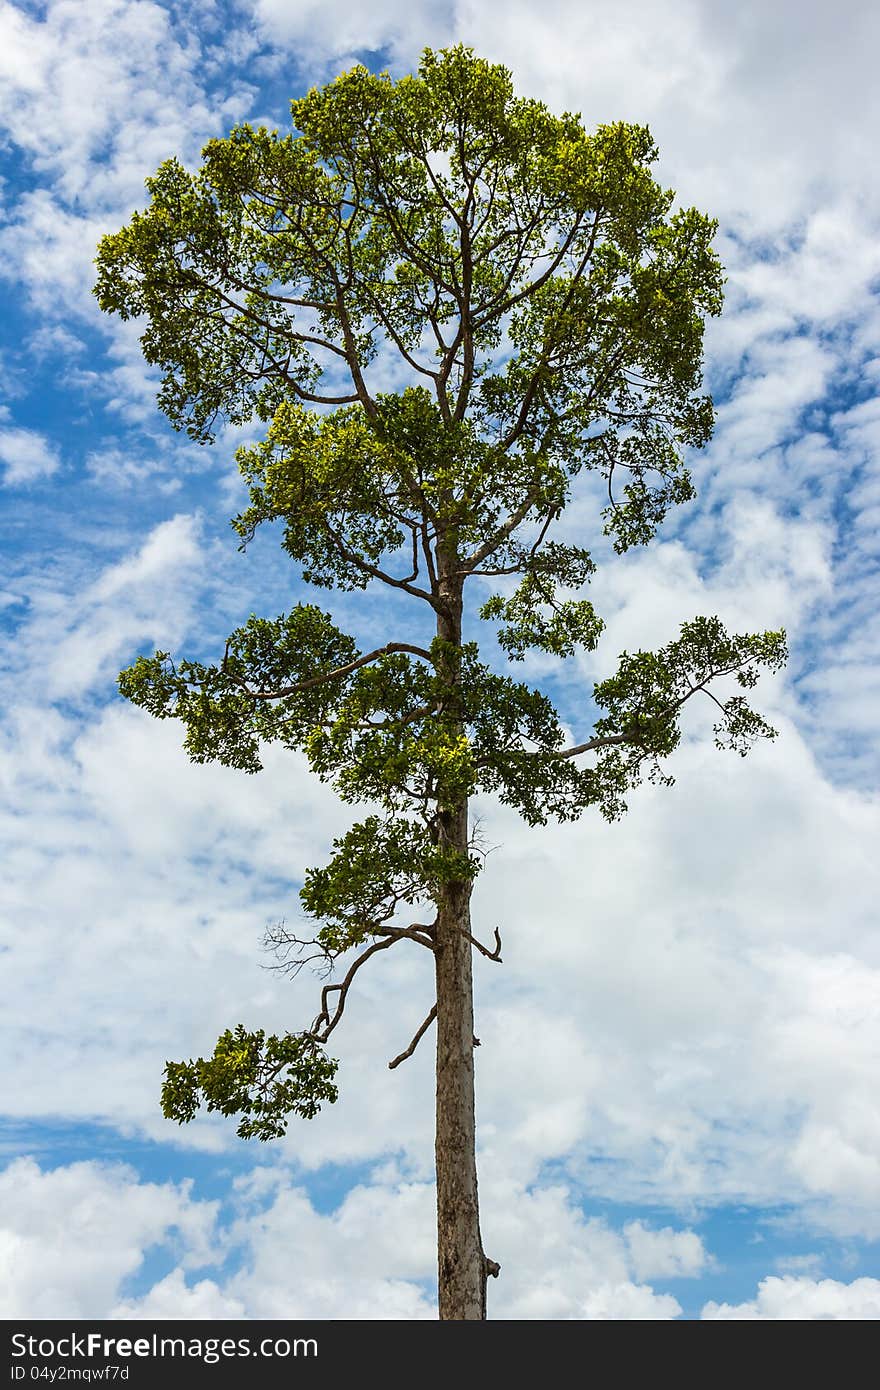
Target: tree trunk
x=461, y=1262
x=462, y=1265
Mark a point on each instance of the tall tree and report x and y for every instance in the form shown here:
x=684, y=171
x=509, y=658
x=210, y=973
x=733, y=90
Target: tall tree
x=537, y=309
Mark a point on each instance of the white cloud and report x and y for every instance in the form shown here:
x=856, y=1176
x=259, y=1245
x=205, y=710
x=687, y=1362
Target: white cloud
x=50, y=250
x=69, y=1237
x=555, y=1264
x=336, y=35
x=94, y=97
x=688, y=970
x=809, y=1263
x=53, y=340
x=717, y=85
x=97, y=95
x=173, y=1299
x=27, y=456
x=794, y=1299
x=138, y=601
x=365, y=1257
x=664, y=1254
x=120, y=469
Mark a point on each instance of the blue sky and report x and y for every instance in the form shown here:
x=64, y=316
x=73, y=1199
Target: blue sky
x=677, y=1083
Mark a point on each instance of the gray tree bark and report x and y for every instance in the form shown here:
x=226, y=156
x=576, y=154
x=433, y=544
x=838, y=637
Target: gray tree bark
x=462, y=1264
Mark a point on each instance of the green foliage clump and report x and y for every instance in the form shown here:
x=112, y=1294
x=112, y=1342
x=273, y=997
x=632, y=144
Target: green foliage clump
x=264, y=1080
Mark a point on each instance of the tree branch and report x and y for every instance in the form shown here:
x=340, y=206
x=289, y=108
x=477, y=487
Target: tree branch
x=324, y=1024
x=399, y=721
x=495, y=309
x=606, y=741
x=373, y=570
x=386, y=323
x=547, y=352
x=299, y=391
x=327, y=675
x=523, y=563
x=484, y=950
x=408, y=1052
x=615, y=740
x=422, y=932
x=503, y=531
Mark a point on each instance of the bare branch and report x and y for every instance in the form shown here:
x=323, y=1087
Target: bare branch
x=421, y=932
x=291, y=951
x=325, y=1023
x=484, y=950
x=408, y=1052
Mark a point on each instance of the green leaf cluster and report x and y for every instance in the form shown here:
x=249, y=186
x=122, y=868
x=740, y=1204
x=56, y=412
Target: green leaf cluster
x=377, y=866
x=645, y=697
x=264, y=1080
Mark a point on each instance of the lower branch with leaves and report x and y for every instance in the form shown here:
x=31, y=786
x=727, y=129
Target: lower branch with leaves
x=268, y=1080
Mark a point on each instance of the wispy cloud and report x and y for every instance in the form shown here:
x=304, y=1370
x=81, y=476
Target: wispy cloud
x=26, y=456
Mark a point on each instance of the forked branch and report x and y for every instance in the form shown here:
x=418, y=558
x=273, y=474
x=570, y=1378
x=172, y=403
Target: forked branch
x=325, y=1022
x=484, y=950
